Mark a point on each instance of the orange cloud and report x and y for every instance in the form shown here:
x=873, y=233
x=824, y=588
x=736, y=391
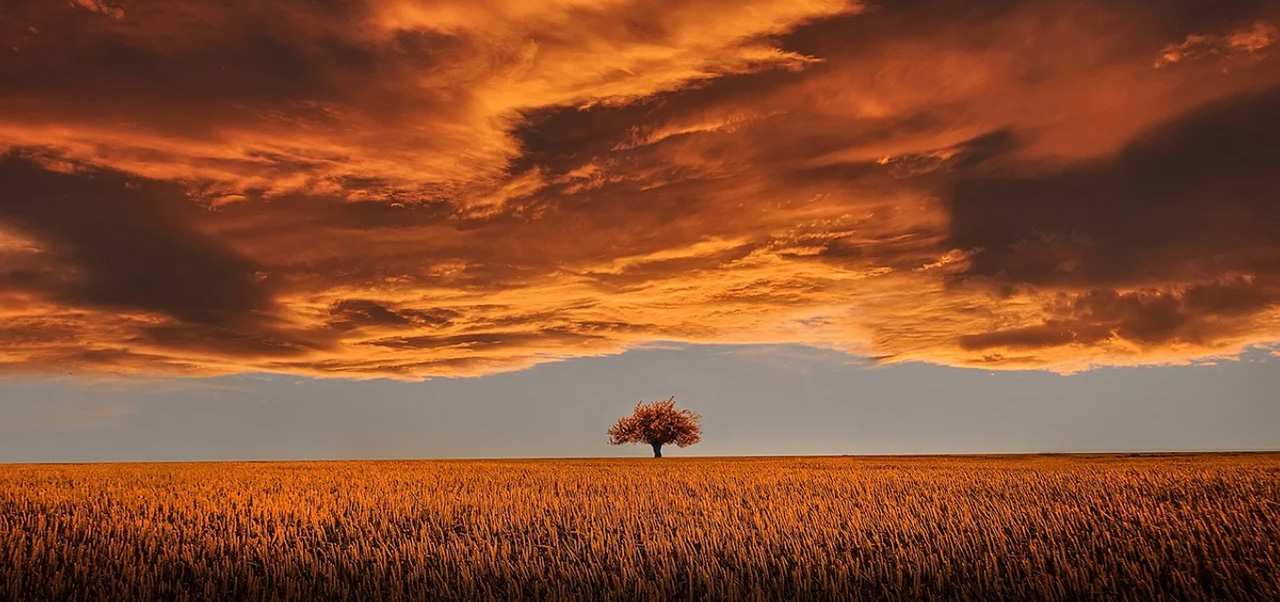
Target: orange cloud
x=1245, y=41
x=408, y=189
x=415, y=100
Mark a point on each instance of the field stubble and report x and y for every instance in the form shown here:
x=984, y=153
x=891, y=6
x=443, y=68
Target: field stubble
x=1035, y=527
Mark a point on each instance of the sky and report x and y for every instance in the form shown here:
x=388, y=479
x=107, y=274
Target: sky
x=757, y=400
x=396, y=200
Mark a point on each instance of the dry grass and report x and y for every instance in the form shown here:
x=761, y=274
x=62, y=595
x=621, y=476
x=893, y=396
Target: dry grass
x=1180, y=527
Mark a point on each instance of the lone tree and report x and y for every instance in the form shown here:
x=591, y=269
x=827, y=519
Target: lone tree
x=657, y=423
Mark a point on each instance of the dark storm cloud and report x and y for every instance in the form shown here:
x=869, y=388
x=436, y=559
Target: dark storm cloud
x=182, y=57
x=119, y=242
x=1193, y=198
x=366, y=312
x=1197, y=315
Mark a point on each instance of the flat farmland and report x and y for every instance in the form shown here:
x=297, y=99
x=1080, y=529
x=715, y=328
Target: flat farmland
x=983, y=527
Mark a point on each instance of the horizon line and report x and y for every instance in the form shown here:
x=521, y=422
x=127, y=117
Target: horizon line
x=1140, y=452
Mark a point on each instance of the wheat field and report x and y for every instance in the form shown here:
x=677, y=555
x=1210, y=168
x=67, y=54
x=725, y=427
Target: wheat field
x=1016, y=527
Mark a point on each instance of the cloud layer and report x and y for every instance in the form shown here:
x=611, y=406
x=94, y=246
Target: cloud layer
x=394, y=188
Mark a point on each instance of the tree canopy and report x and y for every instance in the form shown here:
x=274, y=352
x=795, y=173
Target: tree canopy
x=657, y=423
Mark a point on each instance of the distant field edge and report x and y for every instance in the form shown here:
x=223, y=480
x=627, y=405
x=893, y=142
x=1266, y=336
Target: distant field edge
x=682, y=459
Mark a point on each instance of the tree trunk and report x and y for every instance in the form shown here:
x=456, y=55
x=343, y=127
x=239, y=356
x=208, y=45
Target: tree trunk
x=657, y=450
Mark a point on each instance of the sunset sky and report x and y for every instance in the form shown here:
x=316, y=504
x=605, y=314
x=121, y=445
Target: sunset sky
x=208, y=202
